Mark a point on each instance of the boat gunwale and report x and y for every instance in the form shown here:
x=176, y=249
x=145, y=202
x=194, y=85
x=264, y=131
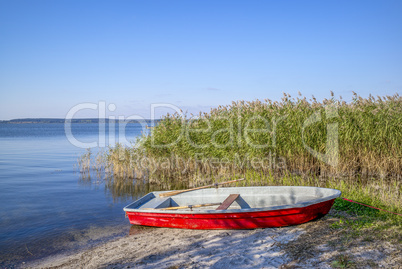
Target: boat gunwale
x=336, y=194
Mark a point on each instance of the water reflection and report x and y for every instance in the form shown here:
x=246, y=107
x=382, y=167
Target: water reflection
x=124, y=189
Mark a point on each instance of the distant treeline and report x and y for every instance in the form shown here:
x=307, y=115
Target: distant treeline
x=54, y=120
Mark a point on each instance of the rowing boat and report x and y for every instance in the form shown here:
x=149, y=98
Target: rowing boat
x=232, y=207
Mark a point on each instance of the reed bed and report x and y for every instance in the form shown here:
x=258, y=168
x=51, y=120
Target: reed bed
x=352, y=146
x=366, y=135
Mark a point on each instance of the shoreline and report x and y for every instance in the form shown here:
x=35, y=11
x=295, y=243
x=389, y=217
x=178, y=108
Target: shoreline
x=313, y=244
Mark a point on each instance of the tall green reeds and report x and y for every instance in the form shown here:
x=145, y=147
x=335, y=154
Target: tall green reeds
x=328, y=138
x=291, y=142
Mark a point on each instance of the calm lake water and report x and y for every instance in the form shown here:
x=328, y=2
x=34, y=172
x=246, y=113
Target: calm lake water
x=45, y=207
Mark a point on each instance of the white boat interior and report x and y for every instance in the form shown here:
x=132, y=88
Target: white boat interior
x=248, y=199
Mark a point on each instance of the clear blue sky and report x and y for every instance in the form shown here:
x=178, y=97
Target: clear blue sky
x=193, y=54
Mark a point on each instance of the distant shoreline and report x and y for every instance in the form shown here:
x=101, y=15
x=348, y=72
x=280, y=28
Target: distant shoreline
x=60, y=120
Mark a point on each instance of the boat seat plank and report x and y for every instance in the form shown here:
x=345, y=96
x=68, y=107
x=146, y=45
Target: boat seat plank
x=228, y=201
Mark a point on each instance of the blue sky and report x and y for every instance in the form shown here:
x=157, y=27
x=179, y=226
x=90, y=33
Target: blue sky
x=55, y=55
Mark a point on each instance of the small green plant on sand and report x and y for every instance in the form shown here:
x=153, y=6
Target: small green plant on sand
x=343, y=261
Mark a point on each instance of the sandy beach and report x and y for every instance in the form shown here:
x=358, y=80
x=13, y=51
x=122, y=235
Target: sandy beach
x=314, y=244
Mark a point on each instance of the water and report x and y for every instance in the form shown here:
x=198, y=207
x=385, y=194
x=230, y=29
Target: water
x=44, y=206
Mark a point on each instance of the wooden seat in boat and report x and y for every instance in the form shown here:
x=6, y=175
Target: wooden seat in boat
x=228, y=201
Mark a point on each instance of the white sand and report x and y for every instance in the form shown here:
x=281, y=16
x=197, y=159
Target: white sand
x=162, y=248
x=309, y=245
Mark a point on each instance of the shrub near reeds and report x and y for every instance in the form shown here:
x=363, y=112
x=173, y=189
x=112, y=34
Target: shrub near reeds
x=328, y=138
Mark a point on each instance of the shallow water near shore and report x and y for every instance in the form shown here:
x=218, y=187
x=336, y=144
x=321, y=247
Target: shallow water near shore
x=44, y=206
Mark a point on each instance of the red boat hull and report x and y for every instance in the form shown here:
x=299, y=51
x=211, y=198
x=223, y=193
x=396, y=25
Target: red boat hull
x=238, y=220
